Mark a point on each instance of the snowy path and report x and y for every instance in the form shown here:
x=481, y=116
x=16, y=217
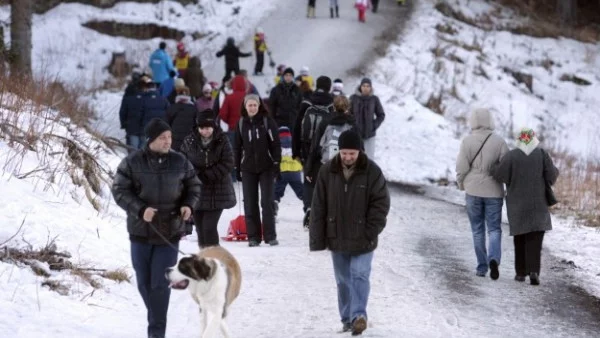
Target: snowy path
x=331, y=47
x=423, y=285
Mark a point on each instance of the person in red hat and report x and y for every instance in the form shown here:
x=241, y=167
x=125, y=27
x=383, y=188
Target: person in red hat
x=182, y=59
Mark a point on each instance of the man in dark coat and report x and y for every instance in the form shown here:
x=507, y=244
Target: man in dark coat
x=181, y=116
x=349, y=212
x=158, y=189
x=284, y=100
x=369, y=114
x=232, y=57
x=301, y=145
x=153, y=105
x=130, y=115
x=209, y=150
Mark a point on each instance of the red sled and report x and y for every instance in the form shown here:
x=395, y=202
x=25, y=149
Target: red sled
x=237, y=230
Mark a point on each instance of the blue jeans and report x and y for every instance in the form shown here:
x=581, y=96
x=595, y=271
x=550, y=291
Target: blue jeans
x=150, y=263
x=352, y=274
x=484, y=211
x=135, y=141
x=294, y=179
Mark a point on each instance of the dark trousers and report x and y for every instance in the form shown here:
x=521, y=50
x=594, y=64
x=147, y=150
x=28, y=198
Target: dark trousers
x=229, y=70
x=250, y=185
x=231, y=136
x=307, y=193
x=294, y=179
x=528, y=252
x=375, y=4
x=150, y=262
x=206, y=226
x=260, y=62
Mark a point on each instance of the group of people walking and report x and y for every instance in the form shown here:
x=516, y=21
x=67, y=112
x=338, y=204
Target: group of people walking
x=484, y=165
x=334, y=8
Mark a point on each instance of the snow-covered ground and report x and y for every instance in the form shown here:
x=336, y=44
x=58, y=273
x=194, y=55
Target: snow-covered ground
x=423, y=282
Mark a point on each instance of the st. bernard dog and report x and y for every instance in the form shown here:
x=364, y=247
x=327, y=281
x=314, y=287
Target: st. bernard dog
x=214, y=278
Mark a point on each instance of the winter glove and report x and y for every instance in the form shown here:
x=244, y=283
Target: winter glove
x=238, y=175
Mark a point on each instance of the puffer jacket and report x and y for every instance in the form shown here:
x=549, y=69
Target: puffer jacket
x=477, y=180
x=181, y=117
x=213, y=164
x=368, y=112
x=131, y=113
x=165, y=182
x=256, y=148
x=348, y=215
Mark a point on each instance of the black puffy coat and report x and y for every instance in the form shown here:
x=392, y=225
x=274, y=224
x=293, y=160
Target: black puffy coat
x=257, y=149
x=348, y=215
x=232, y=56
x=165, y=182
x=284, y=104
x=369, y=114
x=213, y=165
x=181, y=117
x=318, y=98
x=313, y=163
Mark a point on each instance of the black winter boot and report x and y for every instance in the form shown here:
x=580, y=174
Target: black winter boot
x=534, y=279
x=337, y=11
x=331, y=12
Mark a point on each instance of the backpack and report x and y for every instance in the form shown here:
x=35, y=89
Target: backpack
x=311, y=120
x=265, y=123
x=329, y=141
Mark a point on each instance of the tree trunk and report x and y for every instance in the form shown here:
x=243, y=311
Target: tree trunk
x=20, y=37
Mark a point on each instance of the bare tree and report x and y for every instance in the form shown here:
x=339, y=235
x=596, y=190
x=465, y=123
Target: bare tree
x=20, y=37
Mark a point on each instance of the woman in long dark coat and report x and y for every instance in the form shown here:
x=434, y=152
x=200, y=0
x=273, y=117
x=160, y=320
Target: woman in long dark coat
x=526, y=171
x=209, y=150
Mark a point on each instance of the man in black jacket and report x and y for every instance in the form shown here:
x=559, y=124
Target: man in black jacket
x=284, y=100
x=232, y=58
x=349, y=212
x=158, y=189
x=320, y=102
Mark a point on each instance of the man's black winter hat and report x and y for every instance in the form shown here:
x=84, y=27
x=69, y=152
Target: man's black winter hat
x=338, y=81
x=350, y=140
x=205, y=118
x=155, y=127
x=324, y=83
x=366, y=80
x=288, y=70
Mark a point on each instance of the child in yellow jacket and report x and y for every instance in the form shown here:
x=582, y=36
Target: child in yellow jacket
x=291, y=169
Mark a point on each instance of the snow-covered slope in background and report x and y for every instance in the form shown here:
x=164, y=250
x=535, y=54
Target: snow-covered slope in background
x=64, y=48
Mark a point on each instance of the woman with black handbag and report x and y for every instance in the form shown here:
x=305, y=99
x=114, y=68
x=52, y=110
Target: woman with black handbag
x=528, y=172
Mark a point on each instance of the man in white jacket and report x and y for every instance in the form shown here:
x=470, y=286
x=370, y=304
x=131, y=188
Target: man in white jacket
x=484, y=196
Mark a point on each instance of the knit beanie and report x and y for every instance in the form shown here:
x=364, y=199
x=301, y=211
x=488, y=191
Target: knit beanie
x=288, y=70
x=324, y=83
x=207, y=88
x=205, y=118
x=350, y=139
x=338, y=85
x=285, y=137
x=366, y=80
x=155, y=127
x=179, y=83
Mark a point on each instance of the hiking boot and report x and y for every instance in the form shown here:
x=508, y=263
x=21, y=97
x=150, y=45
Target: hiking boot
x=306, y=221
x=347, y=327
x=534, y=279
x=253, y=243
x=273, y=242
x=494, y=273
x=520, y=278
x=359, y=325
